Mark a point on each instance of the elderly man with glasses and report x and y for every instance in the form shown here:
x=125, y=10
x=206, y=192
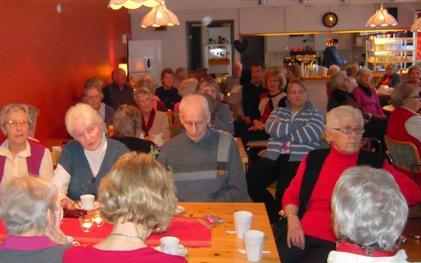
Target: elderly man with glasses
x=306, y=202
x=205, y=162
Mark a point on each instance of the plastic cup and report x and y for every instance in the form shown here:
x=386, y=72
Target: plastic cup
x=169, y=245
x=242, y=220
x=253, y=240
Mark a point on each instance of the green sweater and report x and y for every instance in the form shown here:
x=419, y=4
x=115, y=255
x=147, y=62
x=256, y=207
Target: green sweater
x=201, y=175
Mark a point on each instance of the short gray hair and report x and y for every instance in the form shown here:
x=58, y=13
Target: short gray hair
x=187, y=101
x=30, y=203
x=369, y=208
x=82, y=114
x=14, y=107
x=402, y=92
x=127, y=121
x=142, y=91
x=188, y=86
x=337, y=79
x=361, y=72
x=93, y=83
x=335, y=114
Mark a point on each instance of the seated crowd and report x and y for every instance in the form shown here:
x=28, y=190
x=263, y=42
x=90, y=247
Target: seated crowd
x=320, y=170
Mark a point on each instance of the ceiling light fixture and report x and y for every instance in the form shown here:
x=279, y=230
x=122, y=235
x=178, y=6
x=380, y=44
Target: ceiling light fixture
x=131, y=4
x=381, y=18
x=416, y=27
x=159, y=16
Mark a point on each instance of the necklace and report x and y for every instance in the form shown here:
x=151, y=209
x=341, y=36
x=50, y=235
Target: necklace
x=124, y=235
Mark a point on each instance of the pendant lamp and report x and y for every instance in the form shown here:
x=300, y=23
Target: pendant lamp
x=159, y=16
x=381, y=19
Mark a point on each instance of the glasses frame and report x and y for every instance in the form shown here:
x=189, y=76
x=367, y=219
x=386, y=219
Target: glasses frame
x=348, y=130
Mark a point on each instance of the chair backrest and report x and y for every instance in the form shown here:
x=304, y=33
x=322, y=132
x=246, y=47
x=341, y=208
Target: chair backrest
x=404, y=155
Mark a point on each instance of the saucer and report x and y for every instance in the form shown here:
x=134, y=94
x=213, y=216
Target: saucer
x=182, y=250
x=179, y=210
x=78, y=206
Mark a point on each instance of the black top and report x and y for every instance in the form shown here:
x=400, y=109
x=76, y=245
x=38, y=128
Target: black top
x=136, y=144
x=169, y=96
x=251, y=98
x=115, y=97
x=340, y=98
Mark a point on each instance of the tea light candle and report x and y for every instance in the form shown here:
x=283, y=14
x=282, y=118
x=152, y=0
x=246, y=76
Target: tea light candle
x=86, y=224
x=98, y=220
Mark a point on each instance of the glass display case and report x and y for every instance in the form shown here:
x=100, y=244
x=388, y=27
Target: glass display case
x=381, y=50
x=218, y=59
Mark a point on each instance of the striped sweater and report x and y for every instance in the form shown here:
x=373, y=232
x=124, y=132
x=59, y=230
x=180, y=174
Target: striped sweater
x=303, y=132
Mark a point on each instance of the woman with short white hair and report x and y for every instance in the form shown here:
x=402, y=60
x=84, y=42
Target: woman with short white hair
x=31, y=214
x=88, y=158
x=137, y=196
x=369, y=214
x=20, y=155
x=93, y=96
x=155, y=124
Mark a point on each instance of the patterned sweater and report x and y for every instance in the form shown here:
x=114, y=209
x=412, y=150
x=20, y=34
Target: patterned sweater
x=302, y=132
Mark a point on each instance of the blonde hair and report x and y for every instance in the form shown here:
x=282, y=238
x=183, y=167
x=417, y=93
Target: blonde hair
x=142, y=91
x=127, y=121
x=30, y=203
x=138, y=190
x=82, y=114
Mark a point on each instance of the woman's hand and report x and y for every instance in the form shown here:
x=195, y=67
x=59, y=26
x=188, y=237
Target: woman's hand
x=295, y=235
x=257, y=126
x=67, y=203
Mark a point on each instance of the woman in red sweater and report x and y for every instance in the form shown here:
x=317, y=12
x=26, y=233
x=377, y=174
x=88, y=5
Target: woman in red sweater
x=136, y=196
x=310, y=237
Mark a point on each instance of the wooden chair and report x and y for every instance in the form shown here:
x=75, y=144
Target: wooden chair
x=403, y=155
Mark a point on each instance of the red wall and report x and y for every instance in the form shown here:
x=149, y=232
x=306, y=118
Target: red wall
x=46, y=56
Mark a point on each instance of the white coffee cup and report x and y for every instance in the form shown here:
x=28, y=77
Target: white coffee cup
x=242, y=221
x=170, y=245
x=253, y=240
x=87, y=202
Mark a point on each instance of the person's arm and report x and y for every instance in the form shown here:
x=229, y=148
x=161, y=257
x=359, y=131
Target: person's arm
x=290, y=204
x=310, y=132
x=46, y=167
x=379, y=109
x=277, y=126
x=237, y=185
x=408, y=187
x=357, y=96
x=413, y=127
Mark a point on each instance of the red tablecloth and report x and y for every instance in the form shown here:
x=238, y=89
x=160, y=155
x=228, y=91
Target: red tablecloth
x=191, y=232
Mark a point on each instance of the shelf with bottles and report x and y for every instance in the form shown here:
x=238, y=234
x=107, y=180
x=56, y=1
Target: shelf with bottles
x=383, y=49
x=218, y=58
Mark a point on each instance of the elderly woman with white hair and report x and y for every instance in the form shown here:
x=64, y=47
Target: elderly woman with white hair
x=369, y=215
x=92, y=95
x=137, y=196
x=155, y=124
x=19, y=155
x=86, y=160
x=222, y=115
x=306, y=202
x=31, y=214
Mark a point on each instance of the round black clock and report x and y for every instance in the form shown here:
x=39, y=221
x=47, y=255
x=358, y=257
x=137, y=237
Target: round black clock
x=330, y=19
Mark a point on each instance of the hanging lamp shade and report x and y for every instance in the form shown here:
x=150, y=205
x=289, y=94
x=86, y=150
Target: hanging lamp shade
x=159, y=16
x=381, y=19
x=416, y=27
x=131, y=4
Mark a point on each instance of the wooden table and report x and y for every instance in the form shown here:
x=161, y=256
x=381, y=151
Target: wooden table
x=243, y=154
x=413, y=246
x=224, y=248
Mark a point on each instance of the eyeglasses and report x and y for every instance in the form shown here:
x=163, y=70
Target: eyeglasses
x=415, y=97
x=16, y=123
x=348, y=130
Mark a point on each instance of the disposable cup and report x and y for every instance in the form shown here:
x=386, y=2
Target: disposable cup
x=242, y=220
x=253, y=240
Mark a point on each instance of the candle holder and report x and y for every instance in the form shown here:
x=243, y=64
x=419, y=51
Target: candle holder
x=86, y=223
x=98, y=220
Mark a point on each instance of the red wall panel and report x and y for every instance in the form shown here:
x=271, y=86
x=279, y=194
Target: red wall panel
x=45, y=56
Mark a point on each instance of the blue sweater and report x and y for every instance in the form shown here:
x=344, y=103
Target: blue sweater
x=304, y=131
x=74, y=161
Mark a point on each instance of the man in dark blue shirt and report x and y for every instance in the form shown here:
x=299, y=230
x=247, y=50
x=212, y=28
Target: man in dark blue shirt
x=118, y=92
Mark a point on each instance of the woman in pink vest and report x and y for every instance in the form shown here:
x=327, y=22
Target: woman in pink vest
x=20, y=156
x=404, y=123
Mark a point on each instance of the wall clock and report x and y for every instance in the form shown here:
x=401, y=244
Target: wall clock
x=330, y=19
